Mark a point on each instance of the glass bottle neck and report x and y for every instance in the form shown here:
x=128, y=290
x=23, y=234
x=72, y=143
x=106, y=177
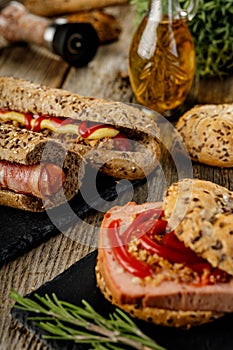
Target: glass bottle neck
x=159, y=9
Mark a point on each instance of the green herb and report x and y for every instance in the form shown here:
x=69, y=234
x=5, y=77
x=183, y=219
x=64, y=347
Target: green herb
x=141, y=7
x=212, y=31
x=66, y=321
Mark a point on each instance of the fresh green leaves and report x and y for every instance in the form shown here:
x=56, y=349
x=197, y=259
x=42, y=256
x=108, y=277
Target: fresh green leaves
x=212, y=31
x=82, y=324
x=141, y=6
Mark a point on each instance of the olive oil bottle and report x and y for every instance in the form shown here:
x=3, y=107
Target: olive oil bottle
x=162, y=60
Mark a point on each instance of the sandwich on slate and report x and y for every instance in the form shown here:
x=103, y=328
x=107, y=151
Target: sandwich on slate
x=36, y=173
x=170, y=263
x=115, y=138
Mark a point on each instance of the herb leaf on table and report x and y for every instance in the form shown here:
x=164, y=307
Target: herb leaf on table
x=82, y=324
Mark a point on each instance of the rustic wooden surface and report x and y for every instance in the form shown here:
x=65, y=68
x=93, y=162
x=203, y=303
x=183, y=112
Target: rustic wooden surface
x=106, y=76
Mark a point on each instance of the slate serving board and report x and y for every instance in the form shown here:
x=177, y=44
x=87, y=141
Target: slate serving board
x=20, y=230
x=73, y=285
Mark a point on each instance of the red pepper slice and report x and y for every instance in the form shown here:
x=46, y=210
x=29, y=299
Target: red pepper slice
x=170, y=247
x=126, y=260
x=152, y=227
x=141, y=218
x=145, y=226
x=172, y=242
x=172, y=255
x=175, y=251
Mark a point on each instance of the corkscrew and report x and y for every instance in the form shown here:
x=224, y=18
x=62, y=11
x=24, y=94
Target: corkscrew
x=76, y=43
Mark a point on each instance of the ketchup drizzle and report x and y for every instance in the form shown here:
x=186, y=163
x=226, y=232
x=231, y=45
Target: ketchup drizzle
x=85, y=130
x=28, y=118
x=37, y=125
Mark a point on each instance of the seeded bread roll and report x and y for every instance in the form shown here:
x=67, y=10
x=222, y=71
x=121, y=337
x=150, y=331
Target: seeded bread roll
x=21, y=201
x=25, y=147
x=142, y=131
x=193, y=234
x=169, y=295
x=22, y=95
x=203, y=213
x=126, y=165
x=162, y=317
x=207, y=133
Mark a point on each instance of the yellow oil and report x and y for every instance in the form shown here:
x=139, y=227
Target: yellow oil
x=163, y=81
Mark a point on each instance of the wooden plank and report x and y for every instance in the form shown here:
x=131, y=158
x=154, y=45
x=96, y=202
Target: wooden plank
x=32, y=63
x=214, y=90
x=106, y=76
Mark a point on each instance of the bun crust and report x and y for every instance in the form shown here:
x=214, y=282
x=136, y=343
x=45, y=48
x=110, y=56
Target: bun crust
x=203, y=212
x=27, y=147
x=207, y=133
x=21, y=201
x=130, y=165
x=25, y=96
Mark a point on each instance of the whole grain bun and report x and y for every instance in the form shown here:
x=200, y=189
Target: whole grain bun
x=26, y=147
x=24, y=96
x=170, y=296
x=162, y=317
x=21, y=201
x=207, y=133
x=125, y=165
x=203, y=214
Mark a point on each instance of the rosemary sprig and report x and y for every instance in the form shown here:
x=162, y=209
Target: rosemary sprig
x=82, y=324
x=212, y=32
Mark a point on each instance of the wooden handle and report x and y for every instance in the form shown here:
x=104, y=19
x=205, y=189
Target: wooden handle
x=18, y=24
x=107, y=26
x=57, y=7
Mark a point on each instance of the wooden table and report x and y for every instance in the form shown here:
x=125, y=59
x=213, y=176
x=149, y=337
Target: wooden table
x=106, y=76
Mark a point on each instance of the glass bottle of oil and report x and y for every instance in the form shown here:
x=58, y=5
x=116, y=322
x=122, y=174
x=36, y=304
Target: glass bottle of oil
x=162, y=56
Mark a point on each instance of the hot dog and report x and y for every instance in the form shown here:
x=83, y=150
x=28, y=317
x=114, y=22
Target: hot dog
x=116, y=138
x=36, y=173
x=179, y=275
